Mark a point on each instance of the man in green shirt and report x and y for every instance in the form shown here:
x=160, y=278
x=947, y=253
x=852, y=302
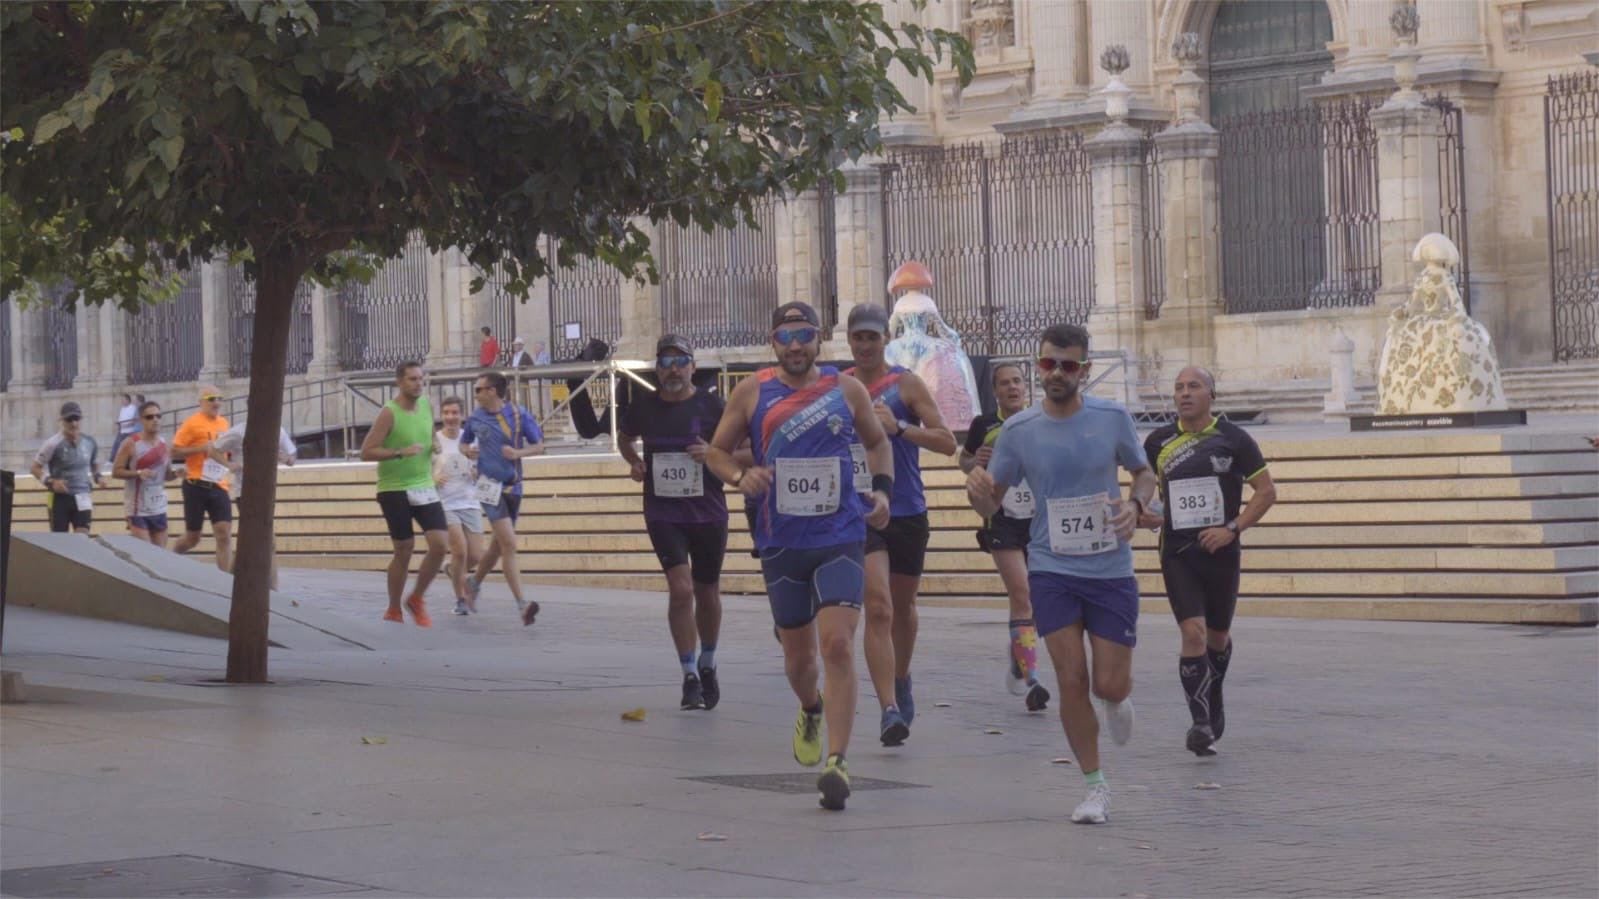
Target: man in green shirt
x=401, y=442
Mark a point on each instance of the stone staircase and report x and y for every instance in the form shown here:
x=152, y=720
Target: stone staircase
x=1456, y=526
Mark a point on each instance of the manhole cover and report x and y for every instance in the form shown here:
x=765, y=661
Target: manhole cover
x=167, y=875
x=797, y=783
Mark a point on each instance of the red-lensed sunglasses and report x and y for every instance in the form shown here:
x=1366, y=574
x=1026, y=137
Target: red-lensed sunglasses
x=1069, y=366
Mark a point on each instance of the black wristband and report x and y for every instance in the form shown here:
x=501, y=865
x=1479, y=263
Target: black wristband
x=883, y=483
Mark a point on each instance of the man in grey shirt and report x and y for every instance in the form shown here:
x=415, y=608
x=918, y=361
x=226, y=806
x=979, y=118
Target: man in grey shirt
x=68, y=466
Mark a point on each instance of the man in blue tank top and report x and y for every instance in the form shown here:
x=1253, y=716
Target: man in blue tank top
x=896, y=554
x=1080, y=558
x=810, y=524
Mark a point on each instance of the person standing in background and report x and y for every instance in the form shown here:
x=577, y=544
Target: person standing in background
x=488, y=352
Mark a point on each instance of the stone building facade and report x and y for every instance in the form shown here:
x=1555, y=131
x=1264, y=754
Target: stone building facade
x=1236, y=183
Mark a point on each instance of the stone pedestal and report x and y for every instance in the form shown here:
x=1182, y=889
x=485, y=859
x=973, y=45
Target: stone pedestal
x=641, y=310
x=1190, y=229
x=1407, y=188
x=324, y=334
x=214, y=317
x=858, y=234
x=1116, y=155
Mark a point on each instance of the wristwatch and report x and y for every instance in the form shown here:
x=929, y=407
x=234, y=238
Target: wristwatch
x=1232, y=526
x=903, y=426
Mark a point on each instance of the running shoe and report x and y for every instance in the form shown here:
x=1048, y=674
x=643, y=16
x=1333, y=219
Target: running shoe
x=693, y=697
x=473, y=588
x=529, y=610
x=1200, y=737
x=904, y=699
x=521, y=606
x=460, y=607
x=894, y=729
x=808, y=738
x=394, y=615
x=419, y=611
x=710, y=687
x=1096, y=808
x=1015, y=678
x=1218, y=720
x=1119, y=718
x=834, y=784
x=1037, y=697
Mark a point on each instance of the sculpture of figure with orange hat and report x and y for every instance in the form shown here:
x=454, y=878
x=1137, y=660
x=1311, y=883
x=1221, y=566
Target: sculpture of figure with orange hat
x=924, y=343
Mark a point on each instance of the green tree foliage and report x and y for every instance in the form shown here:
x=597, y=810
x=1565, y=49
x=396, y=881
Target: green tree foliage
x=300, y=131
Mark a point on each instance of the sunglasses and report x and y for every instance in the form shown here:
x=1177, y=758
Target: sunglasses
x=152, y=417
x=73, y=419
x=674, y=361
x=789, y=336
x=1068, y=366
x=213, y=398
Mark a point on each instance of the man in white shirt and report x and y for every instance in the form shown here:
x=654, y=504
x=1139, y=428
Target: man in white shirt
x=232, y=443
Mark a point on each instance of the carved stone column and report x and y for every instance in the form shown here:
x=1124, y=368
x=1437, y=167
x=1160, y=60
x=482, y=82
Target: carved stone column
x=1368, y=40
x=858, y=236
x=1451, y=34
x=1407, y=167
x=214, y=314
x=1116, y=157
x=1124, y=23
x=908, y=127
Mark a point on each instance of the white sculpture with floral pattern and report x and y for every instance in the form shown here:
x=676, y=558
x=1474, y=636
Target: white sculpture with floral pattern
x=921, y=341
x=1437, y=358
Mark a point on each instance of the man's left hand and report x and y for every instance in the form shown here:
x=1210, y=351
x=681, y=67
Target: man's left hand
x=886, y=416
x=697, y=450
x=1125, y=520
x=877, y=519
x=1213, y=539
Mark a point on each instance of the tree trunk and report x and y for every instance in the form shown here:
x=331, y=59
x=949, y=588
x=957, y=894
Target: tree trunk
x=252, y=558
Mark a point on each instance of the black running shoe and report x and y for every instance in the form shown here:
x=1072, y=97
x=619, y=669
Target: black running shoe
x=1218, y=720
x=710, y=688
x=1199, y=739
x=1037, y=698
x=834, y=784
x=693, y=698
x=529, y=612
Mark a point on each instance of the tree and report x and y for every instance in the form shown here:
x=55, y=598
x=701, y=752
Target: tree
x=297, y=131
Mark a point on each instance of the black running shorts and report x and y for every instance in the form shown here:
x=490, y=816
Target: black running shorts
x=1005, y=533
x=905, y=539
x=64, y=514
x=398, y=513
x=700, y=546
x=202, y=500
x=1199, y=584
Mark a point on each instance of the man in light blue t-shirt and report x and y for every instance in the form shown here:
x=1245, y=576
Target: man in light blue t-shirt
x=1080, y=558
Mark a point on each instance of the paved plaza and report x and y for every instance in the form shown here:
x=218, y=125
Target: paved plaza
x=482, y=759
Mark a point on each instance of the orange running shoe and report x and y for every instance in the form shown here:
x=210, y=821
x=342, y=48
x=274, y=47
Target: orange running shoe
x=419, y=611
x=393, y=615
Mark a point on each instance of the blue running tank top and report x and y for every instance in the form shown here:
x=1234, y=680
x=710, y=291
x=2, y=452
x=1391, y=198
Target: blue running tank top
x=791, y=431
x=908, y=498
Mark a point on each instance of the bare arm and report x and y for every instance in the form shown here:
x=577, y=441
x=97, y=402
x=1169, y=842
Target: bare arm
x=725, y=459
x=372, y=448
x=1260, y=501
x=931, y=434
x=119, y=465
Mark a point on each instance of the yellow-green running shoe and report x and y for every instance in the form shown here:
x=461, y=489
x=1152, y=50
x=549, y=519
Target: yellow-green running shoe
x=808, y=738
x=834, y=784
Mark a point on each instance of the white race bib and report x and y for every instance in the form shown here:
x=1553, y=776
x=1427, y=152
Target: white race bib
x=152, y=498
x=84, y=501
x=489, y=491
x=422, y=496
x=807, y=487
x=863, y=474
x=1080, y=525
x=677, y=475
x=1018, y=501
x=213, y=471
x=1196, y=503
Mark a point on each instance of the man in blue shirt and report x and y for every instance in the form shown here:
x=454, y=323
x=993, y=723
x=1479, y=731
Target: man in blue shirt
x=1080, y=558
x=502, y=434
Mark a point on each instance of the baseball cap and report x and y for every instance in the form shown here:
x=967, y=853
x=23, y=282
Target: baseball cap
x=70, y=409
x=673, y=342
x=795, y=313
x=868, y=317
x=517, y=341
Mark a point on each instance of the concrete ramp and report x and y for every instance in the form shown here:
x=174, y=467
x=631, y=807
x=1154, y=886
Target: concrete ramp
x=125, y=579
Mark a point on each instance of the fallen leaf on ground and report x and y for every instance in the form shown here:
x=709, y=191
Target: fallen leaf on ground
x=1207, y=785
x=708, y=837
x=1144, y=846
x=633, y=715
x=295, y=603
x=942, y=705
x=992, y=730
x=1063, y=760
x=374, y=741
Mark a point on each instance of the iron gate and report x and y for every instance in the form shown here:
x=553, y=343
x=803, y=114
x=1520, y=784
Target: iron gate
x=719, y=288
x=166, y=341
x=61, y=341
x=1154, y=222
x=5, y=345
x=1009, y=239
x=498, y=311
x=241, y=325
x=1452, y=187
x=585, y=304
x=1571, y=158
x=827, y=235
x=385, y=322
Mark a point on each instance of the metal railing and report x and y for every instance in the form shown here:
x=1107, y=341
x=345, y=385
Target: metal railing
x=241, y=325
x=719, y=288
x=1571, y=158
x=166, y=341
x=319, y=396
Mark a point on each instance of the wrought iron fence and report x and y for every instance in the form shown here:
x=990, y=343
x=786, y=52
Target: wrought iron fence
x=1010, y=239
x=1154, y=224
x=241, y=325
x=5, y=345
x=61, y=342
x=585, y=304
x=385, y=322
x=166, y=341
x=827, y=270
x=1299, y=208
x=1452, y=186
x=1571, y=158
x=719, y=288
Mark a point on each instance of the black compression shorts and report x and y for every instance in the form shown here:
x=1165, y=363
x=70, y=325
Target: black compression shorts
x=1199, y=584
x=700, y=546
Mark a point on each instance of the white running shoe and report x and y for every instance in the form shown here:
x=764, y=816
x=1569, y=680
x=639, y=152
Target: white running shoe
x=1119, y=718
x=1015, y=679
x=1094, y=809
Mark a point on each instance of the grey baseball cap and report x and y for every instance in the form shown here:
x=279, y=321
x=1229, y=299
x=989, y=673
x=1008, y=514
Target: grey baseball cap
x=673, y=342
x=70, y=409
x=868, y=317
x=795, y=312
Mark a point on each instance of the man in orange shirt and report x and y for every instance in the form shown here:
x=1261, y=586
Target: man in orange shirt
x=488, y=352
x=205, y=483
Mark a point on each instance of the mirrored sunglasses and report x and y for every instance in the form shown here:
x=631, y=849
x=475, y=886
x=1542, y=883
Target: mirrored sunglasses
x=790, y=336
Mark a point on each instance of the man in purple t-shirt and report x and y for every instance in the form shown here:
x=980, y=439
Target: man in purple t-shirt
x=684, y=509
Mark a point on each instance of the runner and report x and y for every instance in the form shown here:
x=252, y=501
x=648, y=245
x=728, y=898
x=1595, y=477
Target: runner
x=205, y=483
x=801, y=420
x=144, y=463
x=231, y=443
x=1005, y=535
x=685, y=512
x=896, y=554
x=1203, y=462
x=1080, y=560
x=501, y=434
x=67, y=466
x=401, y=442
x=456, y=478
